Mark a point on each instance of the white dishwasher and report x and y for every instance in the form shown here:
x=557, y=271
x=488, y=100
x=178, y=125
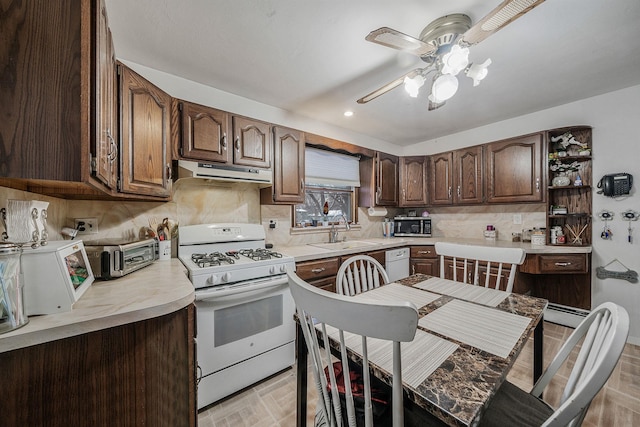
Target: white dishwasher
x=397, y=263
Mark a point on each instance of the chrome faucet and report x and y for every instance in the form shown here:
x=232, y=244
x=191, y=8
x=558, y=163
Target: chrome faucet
x=333, y=232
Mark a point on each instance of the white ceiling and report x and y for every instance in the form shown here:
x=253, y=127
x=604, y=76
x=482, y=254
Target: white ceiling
x=310, y=56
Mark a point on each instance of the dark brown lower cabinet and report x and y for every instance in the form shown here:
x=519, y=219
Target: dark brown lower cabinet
x=137, y=374
x=561, y=278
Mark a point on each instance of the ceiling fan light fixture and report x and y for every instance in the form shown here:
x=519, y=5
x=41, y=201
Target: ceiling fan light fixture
x=478, y=72
x=455, y=60
x=444, y=87
x=413, y=85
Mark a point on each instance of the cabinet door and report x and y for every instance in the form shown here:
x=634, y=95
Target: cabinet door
x=413, y=174
x=251, y=143
x=288, y=167
x=514, y=170
x=386, y=179
x=204, y=133
x=430, y=267
x=441, y=182
x=105, y=152
x=145, y=159
x=468, y=175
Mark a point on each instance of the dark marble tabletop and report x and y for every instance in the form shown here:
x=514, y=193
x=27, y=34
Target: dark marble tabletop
x=458, y=391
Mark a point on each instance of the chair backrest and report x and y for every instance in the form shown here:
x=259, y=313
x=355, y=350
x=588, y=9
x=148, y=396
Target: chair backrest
x=470, y=262
x=360, y=273
x=320, y=311
x=605, y=332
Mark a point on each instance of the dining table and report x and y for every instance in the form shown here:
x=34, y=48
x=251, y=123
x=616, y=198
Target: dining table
x=467, y=340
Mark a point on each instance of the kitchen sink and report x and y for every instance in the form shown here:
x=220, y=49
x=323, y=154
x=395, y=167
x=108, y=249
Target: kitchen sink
x=351, y=244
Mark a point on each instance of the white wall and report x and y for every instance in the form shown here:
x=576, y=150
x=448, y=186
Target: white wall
x=615, y=118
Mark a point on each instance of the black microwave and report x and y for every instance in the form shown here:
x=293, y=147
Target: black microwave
x=412, y=226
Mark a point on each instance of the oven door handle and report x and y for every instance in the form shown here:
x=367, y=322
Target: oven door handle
x=258, y=285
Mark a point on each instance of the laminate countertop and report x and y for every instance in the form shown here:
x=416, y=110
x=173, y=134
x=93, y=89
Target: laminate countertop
x=153, y=291
x=313, y=251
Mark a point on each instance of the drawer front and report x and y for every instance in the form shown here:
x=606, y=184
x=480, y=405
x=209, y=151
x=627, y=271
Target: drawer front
x=567, y=263
x=427, y=251
x=327, y=283
x=310, y=270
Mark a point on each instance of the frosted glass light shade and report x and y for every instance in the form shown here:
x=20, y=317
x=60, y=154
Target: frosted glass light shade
x=478, y=72
x=455, y=60
x=412, y=86
x=444, y=87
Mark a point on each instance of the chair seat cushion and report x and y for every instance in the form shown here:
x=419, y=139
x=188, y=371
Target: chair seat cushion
x=512, y=406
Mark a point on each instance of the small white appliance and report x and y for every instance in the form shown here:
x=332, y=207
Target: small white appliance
x=55, y=276
x=246, y=330
x=397, y=263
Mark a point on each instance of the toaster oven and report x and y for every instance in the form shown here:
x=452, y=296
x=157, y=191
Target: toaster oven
x=112, y=258
x=412, y=226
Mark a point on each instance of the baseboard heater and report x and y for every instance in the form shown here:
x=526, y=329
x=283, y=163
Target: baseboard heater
x=564, y=315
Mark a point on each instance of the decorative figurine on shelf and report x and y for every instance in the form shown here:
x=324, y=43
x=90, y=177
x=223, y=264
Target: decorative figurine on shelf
x=566, y=139
x=578, y=181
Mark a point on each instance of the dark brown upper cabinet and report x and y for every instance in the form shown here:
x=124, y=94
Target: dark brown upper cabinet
x=288, y=168
x=205, y=133
x=514, y=170
x=251, y=142
x=413, y=175
x=456, y=177
x=379, y=180
x=145, y=135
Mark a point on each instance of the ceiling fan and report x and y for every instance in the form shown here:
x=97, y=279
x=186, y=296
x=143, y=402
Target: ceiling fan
x=443, y=45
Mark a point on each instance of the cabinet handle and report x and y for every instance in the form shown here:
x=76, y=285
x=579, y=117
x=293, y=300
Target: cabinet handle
x=404, y=194
x=413, y=269
x=449, y=191
x=538, y=185
x=378, y=192
x=113, y=148
x=459, y=191
x=302, y=184
x=224, y=140
x=562, y=264
x=169, y=172
x=237, y=143
x=318, y=270
x=424, y=252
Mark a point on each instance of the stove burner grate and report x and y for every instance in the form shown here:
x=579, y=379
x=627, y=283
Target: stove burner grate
x=214, y=258
x=259, y=254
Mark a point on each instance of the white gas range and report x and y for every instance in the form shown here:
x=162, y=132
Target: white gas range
x=246, y=330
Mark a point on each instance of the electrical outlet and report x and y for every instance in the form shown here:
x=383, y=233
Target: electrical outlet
x=90, y=225
x=517, y=218
x=273, y=223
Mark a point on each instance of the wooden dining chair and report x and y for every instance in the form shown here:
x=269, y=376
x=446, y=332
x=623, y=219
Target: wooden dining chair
x=471, y=262
x=360, y=273
x=320, y=311
x=605, y=332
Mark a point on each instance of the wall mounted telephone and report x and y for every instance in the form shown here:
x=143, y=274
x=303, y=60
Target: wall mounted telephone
x=617, y=184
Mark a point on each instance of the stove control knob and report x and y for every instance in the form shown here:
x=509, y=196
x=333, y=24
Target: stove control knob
x=283, y=269
x=211, y=280
x=272, y=269
x=226, y=277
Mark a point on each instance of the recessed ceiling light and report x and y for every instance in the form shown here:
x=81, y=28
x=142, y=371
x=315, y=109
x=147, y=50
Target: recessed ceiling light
x=348, y=113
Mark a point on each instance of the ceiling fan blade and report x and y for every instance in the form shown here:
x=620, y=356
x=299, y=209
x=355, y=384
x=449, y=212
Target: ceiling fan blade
x=507, y=12
x=396, y=40
x=391, y=85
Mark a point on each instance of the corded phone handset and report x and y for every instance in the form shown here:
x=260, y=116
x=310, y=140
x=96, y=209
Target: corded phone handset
x=617, y=184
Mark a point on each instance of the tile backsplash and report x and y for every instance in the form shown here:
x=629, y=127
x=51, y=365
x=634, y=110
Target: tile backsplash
x=200, y=201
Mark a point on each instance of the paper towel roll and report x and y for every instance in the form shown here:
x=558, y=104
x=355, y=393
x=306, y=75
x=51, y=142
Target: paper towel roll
x=377, y=211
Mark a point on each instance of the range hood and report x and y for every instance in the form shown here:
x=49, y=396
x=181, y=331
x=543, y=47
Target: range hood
x=193, y=169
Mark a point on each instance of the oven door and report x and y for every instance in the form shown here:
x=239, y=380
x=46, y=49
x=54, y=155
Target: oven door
x=238, y=322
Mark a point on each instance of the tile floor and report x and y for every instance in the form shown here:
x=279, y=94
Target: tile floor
x=272, y=401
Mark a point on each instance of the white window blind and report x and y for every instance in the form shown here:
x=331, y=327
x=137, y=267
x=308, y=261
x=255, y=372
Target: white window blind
x=329, y=168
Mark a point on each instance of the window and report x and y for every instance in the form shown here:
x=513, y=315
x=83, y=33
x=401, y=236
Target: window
x=330, y=178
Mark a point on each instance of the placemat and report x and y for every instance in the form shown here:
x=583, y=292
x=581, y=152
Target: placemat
x=420, y=357
x=397, y=292
x=488, y=329
x=477, y=294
